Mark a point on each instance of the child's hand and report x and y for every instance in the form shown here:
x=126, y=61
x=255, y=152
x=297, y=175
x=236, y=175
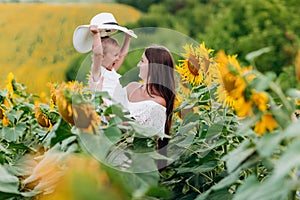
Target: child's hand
x=94, y=29
x=131, y=32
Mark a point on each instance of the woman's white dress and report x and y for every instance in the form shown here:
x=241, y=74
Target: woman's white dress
x=147, y=113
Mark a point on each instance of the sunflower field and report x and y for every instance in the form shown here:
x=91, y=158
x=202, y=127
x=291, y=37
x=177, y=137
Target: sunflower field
x=36, y=38
x=234, y=136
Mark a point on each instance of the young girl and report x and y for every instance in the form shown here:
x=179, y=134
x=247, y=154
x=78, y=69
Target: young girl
x=107, y=59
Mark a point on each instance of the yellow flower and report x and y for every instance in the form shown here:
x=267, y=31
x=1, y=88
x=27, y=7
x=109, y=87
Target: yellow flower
x=189, y=68
x=83, y=173
x=1, y=113
x=242, y=107
x=9, y=83
x=297, y=101
x=82, y=115
x=7, y=103
x=3, y=117
x=45, y=171
x=42, y=118
x=184, y=90
x=43, y=97
x=260, y=99
x=232, y=85
x=266, y=123
x=197, y=66
x=232, y=88
x=52, y=93
x=178, y=100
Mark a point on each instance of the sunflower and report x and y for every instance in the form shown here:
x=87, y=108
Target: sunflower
x=189, y=68
x=45, y=171
x=234, y=80
x=3, y=117
x=52, y=93
x=45, y=117
x=93, y=180
x=10, y=83
x=260, y=99
x=1, y=113
x=242, y=107
x=74, y=109
x=208, y=65
x=266, y=123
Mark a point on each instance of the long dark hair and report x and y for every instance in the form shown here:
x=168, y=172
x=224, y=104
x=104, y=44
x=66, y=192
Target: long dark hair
x=160, y=81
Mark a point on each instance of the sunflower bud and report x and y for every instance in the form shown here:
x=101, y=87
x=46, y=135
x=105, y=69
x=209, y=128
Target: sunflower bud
x=42, y=119
x=1, y=113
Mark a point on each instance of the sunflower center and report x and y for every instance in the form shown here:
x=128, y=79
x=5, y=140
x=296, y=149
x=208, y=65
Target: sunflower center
x=193, y=65
x=229, y=84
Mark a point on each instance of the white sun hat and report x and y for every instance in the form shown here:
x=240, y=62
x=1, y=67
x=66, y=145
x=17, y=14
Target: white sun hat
x=107, y=24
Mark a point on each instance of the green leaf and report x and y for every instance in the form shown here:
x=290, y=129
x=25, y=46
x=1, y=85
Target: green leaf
x=191, y=117
x=254, y=54
x=270, y=189
x=18, y=146
x=292, y=130
x=214, y=130
x=146, y=131
x=188, y=128
x=115, y=110
x=288, y=160
x=206, y=167
x=187, y=141
x=141, y=163
x=12, y=134
x=228, y=180
x=220, y=194
x=96, y=145
x=113, y=133
x=247, y=190
x=8, y=182
x=130, y=76
x=14, y=115
x=60, y=131
x=238, y=155
x=5, y=150
x=263, y=144
x=158, y=192
x=138, y=183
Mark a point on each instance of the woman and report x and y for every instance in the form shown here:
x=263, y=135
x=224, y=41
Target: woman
x=151, y=102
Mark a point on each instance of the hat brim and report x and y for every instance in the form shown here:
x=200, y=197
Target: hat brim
x=83, y=38
x=116, y=27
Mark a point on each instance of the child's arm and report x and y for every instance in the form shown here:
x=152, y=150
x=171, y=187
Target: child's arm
x=97, y=54
x=123, y=52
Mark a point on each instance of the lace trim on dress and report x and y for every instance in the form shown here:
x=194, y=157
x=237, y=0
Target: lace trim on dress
x=148, y=113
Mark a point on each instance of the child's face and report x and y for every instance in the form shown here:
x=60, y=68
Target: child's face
x=111, y=55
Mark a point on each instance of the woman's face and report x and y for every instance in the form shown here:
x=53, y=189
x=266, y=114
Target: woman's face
x=143, y=65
